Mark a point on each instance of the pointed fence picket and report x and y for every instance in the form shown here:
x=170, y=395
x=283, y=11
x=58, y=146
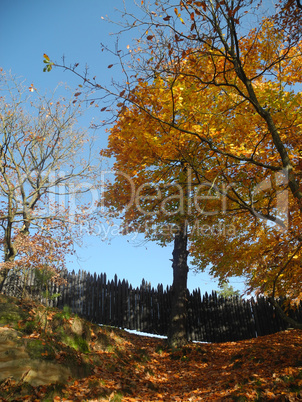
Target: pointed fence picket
x=211, y=318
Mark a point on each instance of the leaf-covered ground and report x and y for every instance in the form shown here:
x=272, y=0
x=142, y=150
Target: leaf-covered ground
x=125, y=367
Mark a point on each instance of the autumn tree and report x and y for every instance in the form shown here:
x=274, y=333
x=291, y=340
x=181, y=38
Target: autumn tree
x=155, y=192
x=223, y=77
x=41, y=168
x=233, y=90
x=227, y=290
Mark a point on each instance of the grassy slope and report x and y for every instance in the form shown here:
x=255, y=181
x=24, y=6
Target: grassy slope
x=112, y=365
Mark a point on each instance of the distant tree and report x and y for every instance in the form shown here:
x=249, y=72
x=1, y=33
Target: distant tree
x=41, y=165
x=227, y=290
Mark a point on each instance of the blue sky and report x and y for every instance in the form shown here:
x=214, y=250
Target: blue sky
x=74, y=29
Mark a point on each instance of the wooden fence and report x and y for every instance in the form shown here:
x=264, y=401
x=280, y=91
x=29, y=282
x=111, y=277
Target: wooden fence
x=210, y=318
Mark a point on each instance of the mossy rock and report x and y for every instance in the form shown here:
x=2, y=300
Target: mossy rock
x=35, y=360
x=56, y=340
x=38, y=349
x=77, y=342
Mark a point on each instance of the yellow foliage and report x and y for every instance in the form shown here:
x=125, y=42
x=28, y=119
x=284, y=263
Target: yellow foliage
x=204, y=154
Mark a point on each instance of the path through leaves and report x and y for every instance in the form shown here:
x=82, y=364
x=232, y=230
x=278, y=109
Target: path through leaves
x=127, y=367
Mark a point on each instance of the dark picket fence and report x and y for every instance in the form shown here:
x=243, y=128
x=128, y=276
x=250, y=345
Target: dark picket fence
x=210, y=318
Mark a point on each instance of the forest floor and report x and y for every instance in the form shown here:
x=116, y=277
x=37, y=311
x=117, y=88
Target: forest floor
x=110, y=364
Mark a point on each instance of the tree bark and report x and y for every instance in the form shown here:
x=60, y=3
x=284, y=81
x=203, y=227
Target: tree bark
x=294, y=324
x=10, y=253
x=177, y=333
x=3, y=276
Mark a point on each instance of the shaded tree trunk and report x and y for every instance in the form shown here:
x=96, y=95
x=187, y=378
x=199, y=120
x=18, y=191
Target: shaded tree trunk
x=283, y=315
x=10, y=250
x=3, y=276
x=177, y=333
x=10, y=253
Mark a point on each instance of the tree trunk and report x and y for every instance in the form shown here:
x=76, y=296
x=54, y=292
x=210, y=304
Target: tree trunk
x=177, y=333
x=293, y=323
x=3, y=276
x=10, y=253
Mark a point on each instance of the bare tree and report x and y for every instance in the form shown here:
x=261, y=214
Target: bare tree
x=43, y=160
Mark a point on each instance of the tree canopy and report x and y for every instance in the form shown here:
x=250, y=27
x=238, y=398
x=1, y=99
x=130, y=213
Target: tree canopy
x=222, y=100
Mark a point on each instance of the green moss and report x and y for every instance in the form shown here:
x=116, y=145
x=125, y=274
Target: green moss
x=29, y=327
x=77, y=342
x=10, y=312
x=118, y=397
x=65, y=314
x=37, y=349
